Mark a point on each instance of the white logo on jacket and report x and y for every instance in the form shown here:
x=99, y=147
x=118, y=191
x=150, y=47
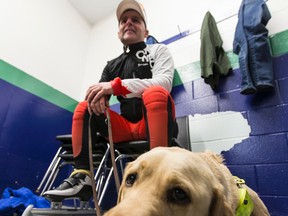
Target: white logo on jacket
x=145, y=56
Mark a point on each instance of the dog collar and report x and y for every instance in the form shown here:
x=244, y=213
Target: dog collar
x=245, y=205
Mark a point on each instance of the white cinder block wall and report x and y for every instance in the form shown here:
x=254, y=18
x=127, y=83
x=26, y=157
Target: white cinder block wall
x=217, y=131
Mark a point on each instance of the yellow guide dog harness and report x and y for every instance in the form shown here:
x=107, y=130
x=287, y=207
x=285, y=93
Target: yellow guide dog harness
x=246, y=205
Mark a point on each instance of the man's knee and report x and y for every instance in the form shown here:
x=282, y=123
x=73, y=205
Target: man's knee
x=155, y=94
x=80, y=110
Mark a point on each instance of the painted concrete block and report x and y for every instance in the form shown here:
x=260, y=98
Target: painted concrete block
x=238, y=102
x=199, y=106
x=204, y=105
x=6, y=92
x=182, y=93
x=264, y=99
x=269, y=120
x=277, y=205
x=232, y=101
x=280, y=66
x=216, y=146
x=231, y=82
x=226, y=84
x=259, y=150
x=115, y=107
x=201, y=89
x=273, y=179
x=283, y=89
x=21, y=173
x=246, y=172
x=219, y=130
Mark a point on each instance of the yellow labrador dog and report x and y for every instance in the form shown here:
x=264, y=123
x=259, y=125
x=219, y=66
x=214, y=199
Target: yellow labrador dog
x=177, y=182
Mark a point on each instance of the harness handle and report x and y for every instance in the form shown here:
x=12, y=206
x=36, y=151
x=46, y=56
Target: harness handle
x=98, y=212
x=112, y=153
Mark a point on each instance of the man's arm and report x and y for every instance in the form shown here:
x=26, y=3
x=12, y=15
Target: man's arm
x=163, y=73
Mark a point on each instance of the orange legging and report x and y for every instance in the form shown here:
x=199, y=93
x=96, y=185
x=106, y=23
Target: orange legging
x=156, y=125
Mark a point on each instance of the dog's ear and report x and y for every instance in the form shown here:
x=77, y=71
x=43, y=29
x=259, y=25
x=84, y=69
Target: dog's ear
x=219, y=206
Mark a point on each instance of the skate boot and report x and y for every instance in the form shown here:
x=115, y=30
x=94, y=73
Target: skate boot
x=76, y=186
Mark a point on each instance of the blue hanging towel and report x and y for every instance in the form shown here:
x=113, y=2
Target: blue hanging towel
x=16, y=201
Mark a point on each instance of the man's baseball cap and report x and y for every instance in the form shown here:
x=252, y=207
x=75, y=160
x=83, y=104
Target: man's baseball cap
x=131, y=5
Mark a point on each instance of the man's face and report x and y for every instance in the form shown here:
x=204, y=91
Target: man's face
x=131, y=28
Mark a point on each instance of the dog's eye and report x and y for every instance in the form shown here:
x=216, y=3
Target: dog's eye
x=178, y=196
x=130, y=179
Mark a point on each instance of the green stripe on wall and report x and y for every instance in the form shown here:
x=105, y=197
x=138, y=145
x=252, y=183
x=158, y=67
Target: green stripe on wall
x=183, y=74
x=22, y=80
x=177, y=79
x=192, y=71
x=279, y=43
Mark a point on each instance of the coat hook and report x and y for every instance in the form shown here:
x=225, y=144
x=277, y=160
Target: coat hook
x=179, y=30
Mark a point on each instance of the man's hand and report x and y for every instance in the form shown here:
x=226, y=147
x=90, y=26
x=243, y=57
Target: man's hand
x=97, y=97
x=99, y=106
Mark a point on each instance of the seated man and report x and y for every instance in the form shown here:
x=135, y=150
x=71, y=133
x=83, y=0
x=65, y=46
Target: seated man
x=141, y=78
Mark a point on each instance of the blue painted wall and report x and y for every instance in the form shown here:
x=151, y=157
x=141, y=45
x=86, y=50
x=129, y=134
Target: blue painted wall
x=28, y=127
x=262, y=159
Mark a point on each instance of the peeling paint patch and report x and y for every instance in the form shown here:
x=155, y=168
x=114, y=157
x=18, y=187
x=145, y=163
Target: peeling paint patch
x=218, y=131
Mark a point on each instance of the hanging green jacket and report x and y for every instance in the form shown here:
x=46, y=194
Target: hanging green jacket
x=213, y=59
